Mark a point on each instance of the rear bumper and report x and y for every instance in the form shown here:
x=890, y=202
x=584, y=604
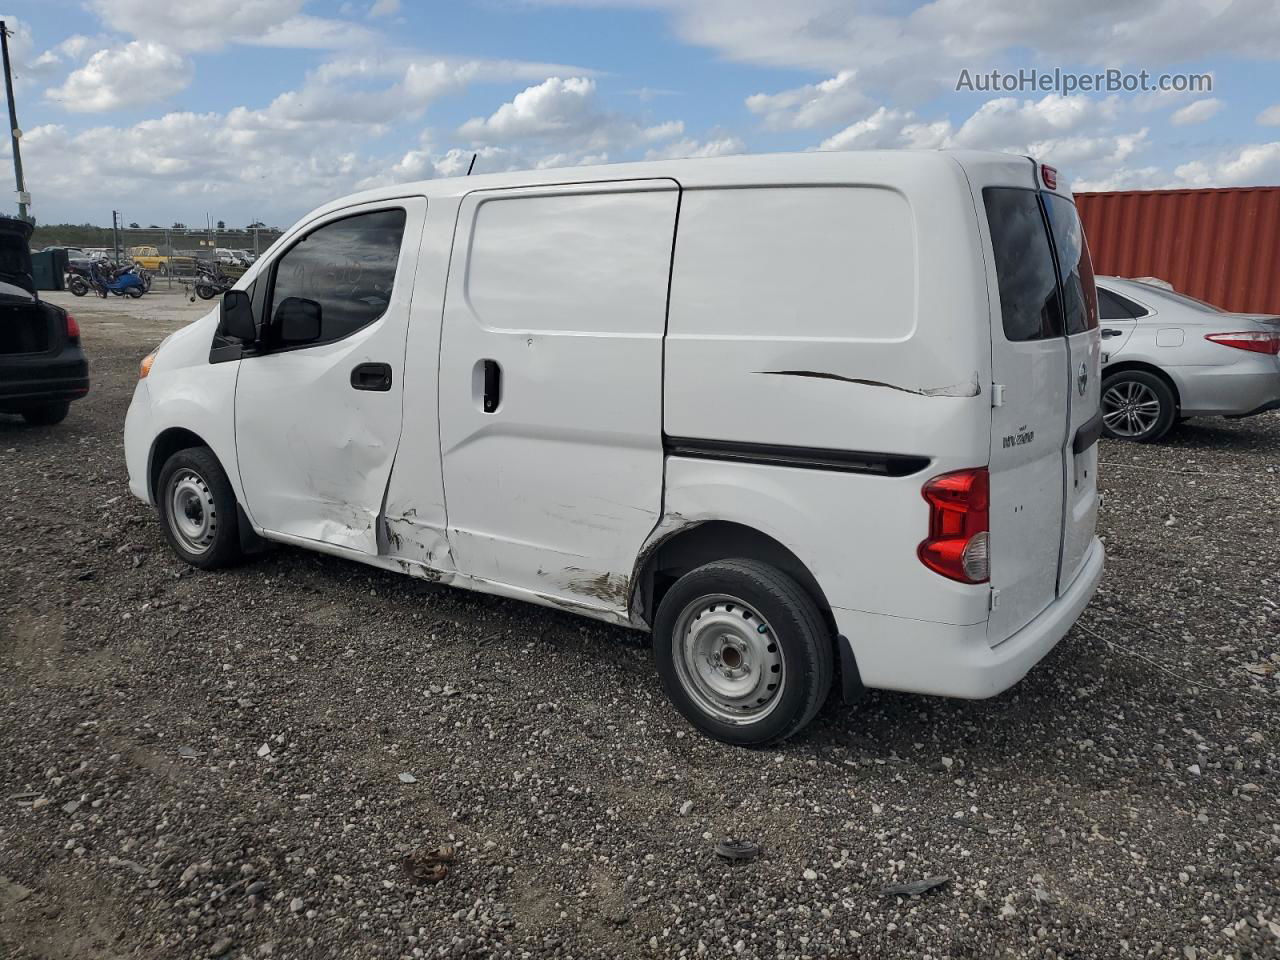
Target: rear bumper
x=27, y=381
x=951, y=660
x=1241, y=389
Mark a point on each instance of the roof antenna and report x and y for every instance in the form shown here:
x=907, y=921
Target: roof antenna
x=472, y=165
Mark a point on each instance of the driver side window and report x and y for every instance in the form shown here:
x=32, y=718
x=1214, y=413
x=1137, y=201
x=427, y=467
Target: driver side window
x=347, y=267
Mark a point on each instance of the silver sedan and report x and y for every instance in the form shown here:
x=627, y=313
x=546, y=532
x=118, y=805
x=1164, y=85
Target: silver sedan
x=1167, y=357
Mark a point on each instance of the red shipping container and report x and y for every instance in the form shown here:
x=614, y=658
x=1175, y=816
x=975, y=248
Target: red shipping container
x=1221, y=245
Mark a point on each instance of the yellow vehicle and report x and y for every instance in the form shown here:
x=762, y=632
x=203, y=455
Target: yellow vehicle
x=149, y=258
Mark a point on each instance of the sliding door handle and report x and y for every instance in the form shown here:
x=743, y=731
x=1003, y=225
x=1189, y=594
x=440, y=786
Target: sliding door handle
x=492, y=386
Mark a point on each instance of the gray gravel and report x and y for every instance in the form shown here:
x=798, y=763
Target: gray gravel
x=234, y=764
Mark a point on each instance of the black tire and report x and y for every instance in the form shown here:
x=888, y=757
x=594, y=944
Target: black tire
x=204, y=483
x=771, y=602
x=77, y=286
x=1148, y=385
x=134, y=292
x=205, y=292
x=48, y=414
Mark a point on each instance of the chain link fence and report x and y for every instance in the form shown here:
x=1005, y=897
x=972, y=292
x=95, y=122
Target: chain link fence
x=174, y=255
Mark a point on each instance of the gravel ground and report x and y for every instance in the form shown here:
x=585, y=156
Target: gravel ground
x=215, y=764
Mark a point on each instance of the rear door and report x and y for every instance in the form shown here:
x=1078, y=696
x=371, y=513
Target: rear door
x=1029, y=419
x=1084, y=351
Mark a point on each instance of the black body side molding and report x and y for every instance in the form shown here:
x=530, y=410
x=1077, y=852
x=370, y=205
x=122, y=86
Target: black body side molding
x=811, y=458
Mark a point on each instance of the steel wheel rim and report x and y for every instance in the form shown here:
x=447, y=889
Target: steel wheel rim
x=728, y=659
x=192, y=515
x=1130, y=408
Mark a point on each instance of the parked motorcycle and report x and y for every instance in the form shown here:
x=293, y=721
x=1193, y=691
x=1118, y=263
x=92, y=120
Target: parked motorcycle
x=79, y=281
x=211, y=281
x=122, y=282
x=141, y=274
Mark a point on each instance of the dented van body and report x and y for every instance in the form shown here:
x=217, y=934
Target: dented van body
x=803, y=417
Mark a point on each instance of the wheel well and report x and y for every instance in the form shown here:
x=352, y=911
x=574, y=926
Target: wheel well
x=712, y=540
x=1155, y=371
x=166, y=445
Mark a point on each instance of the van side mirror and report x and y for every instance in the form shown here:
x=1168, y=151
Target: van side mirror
x=296, y=321
x=237, y=316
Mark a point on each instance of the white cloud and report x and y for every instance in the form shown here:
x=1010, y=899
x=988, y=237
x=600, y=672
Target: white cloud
x=384, y=8
x=305, y=32
x=1249, y=166
x=1197, y=112
x=722, y=146
x=881, y=129
x=1071, y=133
x=1008, y=122
x=1270, y=117
x=211, y=24
x=919, y=51
x=28, y=67
x=1125, y=178
x=75, y=45
x=554, y=107
x=564, y=113
x=139, y=72
x=813, y=105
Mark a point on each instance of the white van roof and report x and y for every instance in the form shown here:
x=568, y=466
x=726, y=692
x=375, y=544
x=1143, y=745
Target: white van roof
x=873, y=166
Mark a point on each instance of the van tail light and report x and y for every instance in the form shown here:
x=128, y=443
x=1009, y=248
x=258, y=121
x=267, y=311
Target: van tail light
x=73, y=329
x=1049, y=176
x=958, y=545
x=1256, y=341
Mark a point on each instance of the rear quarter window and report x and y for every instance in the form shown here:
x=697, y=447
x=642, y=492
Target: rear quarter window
x=1025, y=274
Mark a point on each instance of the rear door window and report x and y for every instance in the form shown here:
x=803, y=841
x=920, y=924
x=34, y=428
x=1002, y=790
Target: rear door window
x=1078, y=292
x=1028, y=283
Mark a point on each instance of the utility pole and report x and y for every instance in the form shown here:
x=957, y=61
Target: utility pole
x=15, y=133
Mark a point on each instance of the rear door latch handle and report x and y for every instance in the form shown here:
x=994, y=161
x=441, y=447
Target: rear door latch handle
x=372, y=376
x=1109, y=332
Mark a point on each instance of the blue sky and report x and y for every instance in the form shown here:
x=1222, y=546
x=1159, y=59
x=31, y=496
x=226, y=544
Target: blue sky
x=244, y=109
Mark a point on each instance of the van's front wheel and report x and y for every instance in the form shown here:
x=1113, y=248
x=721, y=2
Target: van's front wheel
x=743, y=652
x=198, y=509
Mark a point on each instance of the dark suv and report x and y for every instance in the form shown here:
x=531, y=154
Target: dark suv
x=42, y=367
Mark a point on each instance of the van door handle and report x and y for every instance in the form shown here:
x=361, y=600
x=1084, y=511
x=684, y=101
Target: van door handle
x=1109, y=332
x=492, y=385
x=372, y=376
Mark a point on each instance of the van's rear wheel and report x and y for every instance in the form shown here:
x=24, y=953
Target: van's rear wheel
x=198, y=509
x=743, y=652
x=1137, y=405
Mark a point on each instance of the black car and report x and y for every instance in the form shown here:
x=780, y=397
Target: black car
x=42, y=366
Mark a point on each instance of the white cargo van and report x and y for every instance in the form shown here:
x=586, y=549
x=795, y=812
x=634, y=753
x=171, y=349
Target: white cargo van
x=806, y=418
